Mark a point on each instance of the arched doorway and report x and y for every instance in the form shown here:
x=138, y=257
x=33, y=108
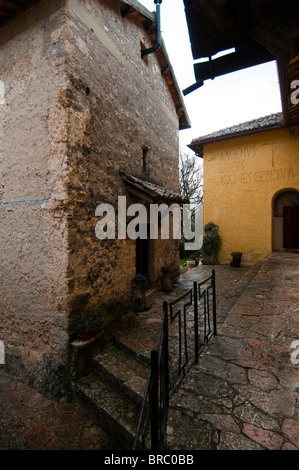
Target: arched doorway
x=285, y=210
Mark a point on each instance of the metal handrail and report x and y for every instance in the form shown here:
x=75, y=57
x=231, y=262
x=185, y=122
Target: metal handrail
x=158, y=390
x=143, y=419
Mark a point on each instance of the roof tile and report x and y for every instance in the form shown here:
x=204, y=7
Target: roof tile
x=152, y=189
x=272, y=121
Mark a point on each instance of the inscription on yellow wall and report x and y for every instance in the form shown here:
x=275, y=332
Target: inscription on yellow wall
x=234, y=168
x=263, y=176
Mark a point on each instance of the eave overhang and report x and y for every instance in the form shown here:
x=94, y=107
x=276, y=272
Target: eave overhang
x=150, y=192
x=263, y=124
x=257, y=31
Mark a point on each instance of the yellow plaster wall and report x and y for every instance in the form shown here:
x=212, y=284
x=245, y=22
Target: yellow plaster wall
x=241, y=176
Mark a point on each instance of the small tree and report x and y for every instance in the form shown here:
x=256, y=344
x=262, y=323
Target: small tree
x=191, y=186
x=191, y=179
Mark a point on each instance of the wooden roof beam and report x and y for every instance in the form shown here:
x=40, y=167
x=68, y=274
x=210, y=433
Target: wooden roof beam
x=277, y=42
x=232, y=62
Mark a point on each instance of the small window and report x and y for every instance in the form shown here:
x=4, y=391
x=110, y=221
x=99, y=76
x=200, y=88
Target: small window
x=145, y=159
x=145, y=57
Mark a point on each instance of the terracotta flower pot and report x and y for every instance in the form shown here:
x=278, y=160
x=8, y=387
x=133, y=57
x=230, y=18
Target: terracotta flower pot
x=166, y=282
x=139, y=300
x=236, y=261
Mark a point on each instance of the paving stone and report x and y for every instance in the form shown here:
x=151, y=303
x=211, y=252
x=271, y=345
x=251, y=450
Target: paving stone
x=188, y=434
x=263, y=380
x=289, y=446
x=266, y=438
x=276, y=403
x=222, y=422
x=290, y=427
x=206, y=386
x=235, y=441
x=247, y=413
x=221, y=369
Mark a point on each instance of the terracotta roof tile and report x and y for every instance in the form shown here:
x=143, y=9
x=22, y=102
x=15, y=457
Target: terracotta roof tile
x=153, y=190
x=272, y=121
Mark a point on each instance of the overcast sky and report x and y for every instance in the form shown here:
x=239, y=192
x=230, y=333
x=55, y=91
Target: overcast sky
x=224, y=101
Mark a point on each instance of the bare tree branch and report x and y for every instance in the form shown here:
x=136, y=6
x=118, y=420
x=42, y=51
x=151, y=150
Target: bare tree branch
x=191, y=179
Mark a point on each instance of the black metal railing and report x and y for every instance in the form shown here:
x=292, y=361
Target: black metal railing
x=189, y=323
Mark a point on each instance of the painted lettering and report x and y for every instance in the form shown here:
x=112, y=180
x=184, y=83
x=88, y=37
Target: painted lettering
x=226, y=167
x=262, y=176
x=248, y=151
x=237, y=153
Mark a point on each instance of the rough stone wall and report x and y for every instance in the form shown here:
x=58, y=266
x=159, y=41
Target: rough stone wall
x=80, y=106
x=33, y=165
x=120, y=104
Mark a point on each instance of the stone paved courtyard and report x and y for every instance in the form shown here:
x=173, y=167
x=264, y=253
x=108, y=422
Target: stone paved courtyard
x=243, y=394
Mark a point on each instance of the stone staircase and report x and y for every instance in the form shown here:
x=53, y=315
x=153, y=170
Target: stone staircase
x=112, y=393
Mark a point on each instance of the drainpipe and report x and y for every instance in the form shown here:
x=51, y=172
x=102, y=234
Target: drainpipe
x=150, y=50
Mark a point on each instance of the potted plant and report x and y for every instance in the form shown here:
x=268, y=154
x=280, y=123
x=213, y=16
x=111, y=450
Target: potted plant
x=140, y=283
x=236, y=261
x=196, y=257
x=166, y=282
x=211, y=244
x=89, y=324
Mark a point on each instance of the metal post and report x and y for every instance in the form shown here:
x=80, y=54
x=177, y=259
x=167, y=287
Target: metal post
x=150, y=50
x=195, y=309
x=154, y=402
x=214, y=302
x=166, y=353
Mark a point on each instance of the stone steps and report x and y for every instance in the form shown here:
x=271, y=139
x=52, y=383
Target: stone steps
x=124, y=372
x=141, y=355
x=108, y=409
x=112, y=393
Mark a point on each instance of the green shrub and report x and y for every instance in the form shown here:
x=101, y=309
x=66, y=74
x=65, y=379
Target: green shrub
x=211, y=241
x=140, y=279
x=209, y=226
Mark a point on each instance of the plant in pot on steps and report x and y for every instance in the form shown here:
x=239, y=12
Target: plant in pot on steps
x=139, y=285
x=166, y=281
x=89, y=324
x=211, y=244
x=236, y=261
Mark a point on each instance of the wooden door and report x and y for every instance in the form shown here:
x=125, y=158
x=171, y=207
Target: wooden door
x=291, y=226
x=142, y=257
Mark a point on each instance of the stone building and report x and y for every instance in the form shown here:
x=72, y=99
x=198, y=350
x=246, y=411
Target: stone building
x=251, y=186
x=85, y=118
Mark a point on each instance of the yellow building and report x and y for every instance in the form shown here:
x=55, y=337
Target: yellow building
x=251, y=186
